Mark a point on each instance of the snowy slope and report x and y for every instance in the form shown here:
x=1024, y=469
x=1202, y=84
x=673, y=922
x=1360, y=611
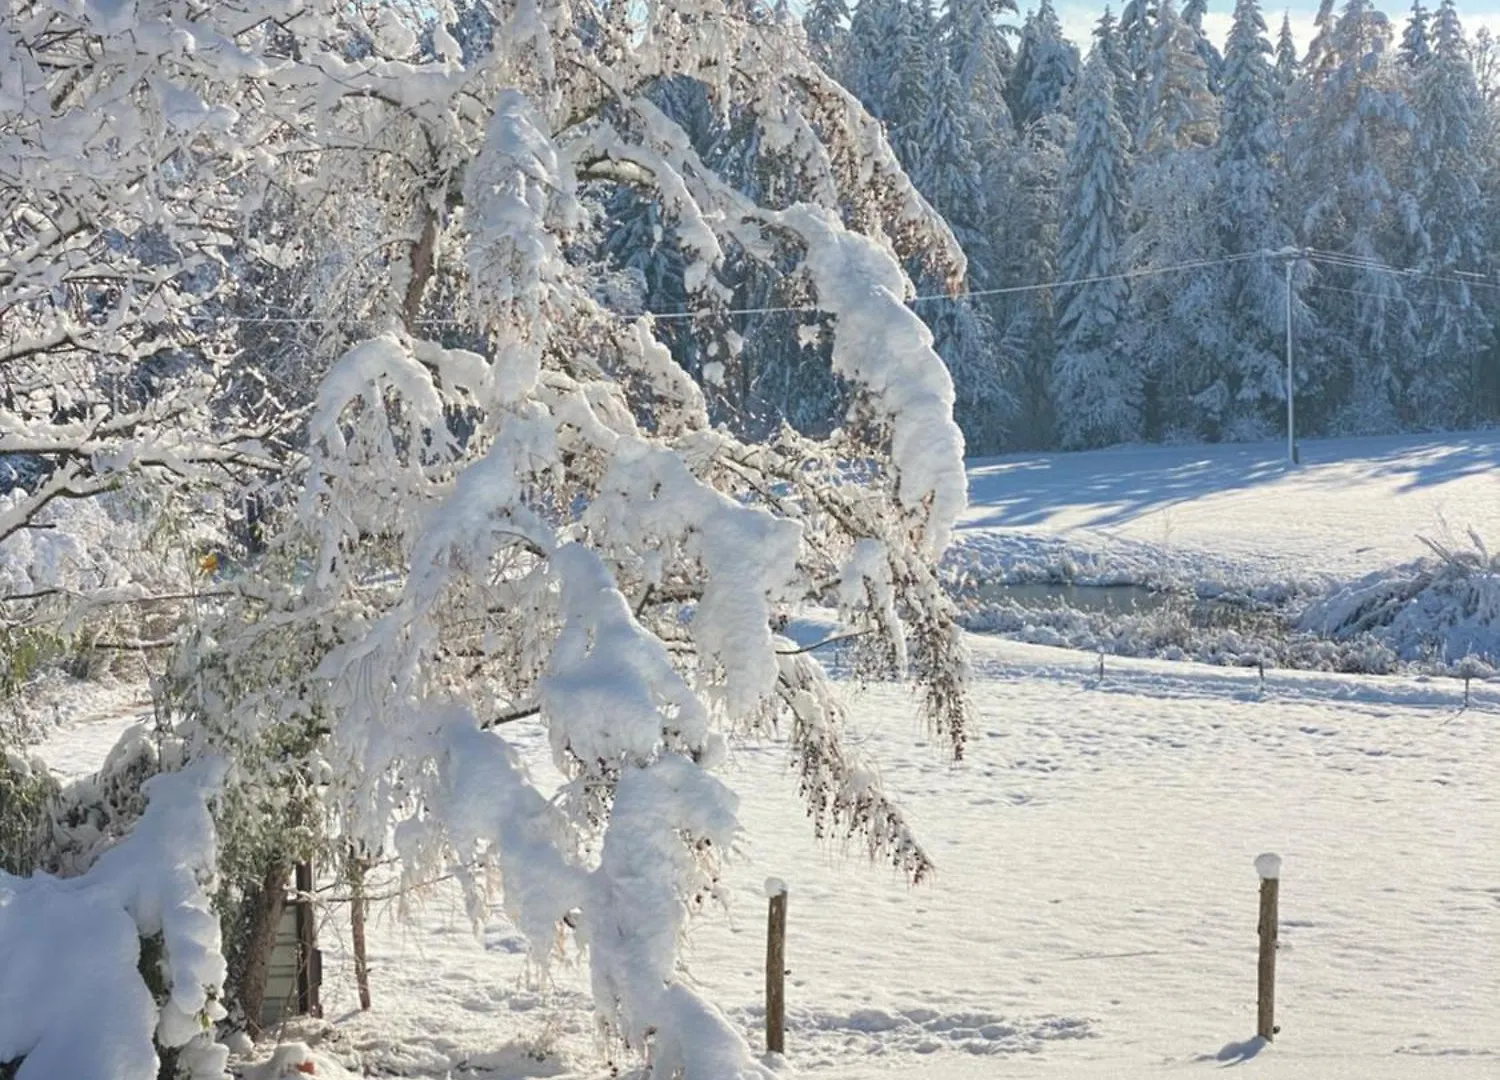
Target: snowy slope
x=1352, y=506
x=1094, y=910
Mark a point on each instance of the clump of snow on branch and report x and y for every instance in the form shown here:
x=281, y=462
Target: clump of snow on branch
x=70, y=948
x=880, y=343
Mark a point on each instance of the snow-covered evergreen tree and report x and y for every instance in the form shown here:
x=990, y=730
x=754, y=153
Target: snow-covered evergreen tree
x=1415, y=48
x=1107, y=44
x=1170, y=333
x=1249, y=191
x=1046, y=67
x=1192, y=14
x=1287, y=64
x=1180, y=110
x=982, y=59
x=1029, y=237
x=1096, y=392
x=916, y=53
x=877, y=31
x=946, y=171
x=827, y=26
x=1445, y=386
x=1321, y=56
x=1135, y=32
x=1348, y=155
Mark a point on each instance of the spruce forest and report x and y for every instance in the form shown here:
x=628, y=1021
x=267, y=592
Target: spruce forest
x=1374, y=146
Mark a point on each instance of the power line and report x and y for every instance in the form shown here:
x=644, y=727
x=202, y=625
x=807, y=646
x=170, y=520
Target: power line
x=1419, y=302
x=1008, y=290
x=1344, y=260
x=1351, y=261
x=783, y=309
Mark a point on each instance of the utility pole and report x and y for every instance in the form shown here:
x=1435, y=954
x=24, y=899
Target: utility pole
x=1291, y=418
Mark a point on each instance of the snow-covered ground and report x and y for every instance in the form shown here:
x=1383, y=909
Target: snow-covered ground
x=1094, y=910
x=1352, y=505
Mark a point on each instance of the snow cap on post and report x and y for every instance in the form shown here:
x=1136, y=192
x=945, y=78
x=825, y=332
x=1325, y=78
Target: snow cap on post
x=775, y=887
x=1268, y=866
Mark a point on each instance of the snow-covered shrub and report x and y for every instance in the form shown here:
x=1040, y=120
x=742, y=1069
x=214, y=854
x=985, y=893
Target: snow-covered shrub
x=26, y=794
x=1446, y=605
x=74, y=1000
x=91, y=814
x=239, y=689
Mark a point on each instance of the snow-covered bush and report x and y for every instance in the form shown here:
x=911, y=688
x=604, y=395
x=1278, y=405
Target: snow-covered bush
x=26, y=794
x=1446, y=605
x=79, y=998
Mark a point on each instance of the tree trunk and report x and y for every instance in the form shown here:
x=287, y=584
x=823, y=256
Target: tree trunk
x=423, y=262
x=265, y=917
x=357, y=867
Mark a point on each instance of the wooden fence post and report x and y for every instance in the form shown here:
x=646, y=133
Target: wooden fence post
x=1268, y=866
x=310, y=960
x=776, y=967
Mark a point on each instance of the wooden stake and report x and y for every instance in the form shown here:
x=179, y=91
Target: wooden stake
x=310, y=973
x=776, y=967
x=1269, y=868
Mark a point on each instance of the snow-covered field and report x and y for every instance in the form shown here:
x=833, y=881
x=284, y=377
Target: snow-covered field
x=1094, y=910
x=1353, y=505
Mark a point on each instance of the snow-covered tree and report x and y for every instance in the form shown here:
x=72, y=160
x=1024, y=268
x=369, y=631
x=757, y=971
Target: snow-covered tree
x=1321, y=56
x=1170, y=333
x=1415, y=48
x=1135, y=44
x=1485, y=55
x=1348, y=159
x=1286, y=56
x=1192, y=14
x=1110, y=49
x=1457, y=333
x=1028, y=235
x=1179, y=110
x=1046, y=67
x=827, y=27
x=916, y=54
x=982, y=59
x=877, y=31
x=946, y=170
x=116, y=213
x=543, y=525
x=1249, y=192
x=1097, y=395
